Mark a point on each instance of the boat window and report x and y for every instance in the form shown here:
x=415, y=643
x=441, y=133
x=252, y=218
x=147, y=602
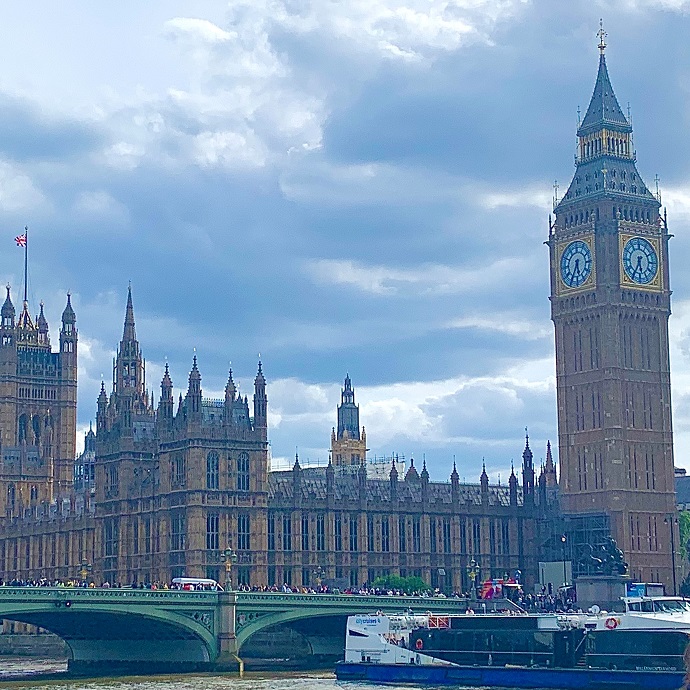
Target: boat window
x=669, y=606
x=635, y=606
x=648, y=606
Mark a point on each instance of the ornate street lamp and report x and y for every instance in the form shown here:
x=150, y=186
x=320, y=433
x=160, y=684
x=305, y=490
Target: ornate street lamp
x=564, y=539
x=472, y=572
x=228, y=556
x=85, y=570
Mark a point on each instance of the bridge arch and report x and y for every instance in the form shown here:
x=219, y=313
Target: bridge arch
x=102, y=632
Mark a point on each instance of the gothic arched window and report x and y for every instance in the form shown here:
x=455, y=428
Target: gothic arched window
x=243, y=472
x=212, y=463
x=10, y=496
x=23, y=428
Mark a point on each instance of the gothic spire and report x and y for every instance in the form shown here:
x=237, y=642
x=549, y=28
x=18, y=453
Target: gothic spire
x=129, y=333
x=604, y=111
x=7, y=313
x=68, y=315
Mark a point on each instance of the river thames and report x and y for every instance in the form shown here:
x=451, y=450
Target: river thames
x=22, y=671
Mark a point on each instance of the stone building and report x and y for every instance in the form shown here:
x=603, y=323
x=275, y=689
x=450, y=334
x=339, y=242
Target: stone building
x=610, y=304
x=178, y=484
x=38, y=408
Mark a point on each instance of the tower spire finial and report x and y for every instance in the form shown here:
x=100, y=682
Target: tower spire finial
x=602, y=36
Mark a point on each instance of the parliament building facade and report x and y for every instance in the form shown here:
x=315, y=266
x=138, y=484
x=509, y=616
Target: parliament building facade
x=174, y=489
x=163, y=492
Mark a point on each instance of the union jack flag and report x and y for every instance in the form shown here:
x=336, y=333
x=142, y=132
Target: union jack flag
x=20, y=240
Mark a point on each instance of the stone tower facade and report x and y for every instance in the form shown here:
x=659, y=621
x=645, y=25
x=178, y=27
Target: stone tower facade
x=348, y=443
x=38, y=408
x=176, y=488
x=610, y=304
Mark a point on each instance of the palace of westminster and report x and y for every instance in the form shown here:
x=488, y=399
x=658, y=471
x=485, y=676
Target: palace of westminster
x=167, y=490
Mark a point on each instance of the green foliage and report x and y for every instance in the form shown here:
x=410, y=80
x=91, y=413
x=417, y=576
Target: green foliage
x=685, y=586
x=684, y=529
x=403, y=584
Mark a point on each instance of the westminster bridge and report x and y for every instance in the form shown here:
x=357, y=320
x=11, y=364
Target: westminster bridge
x=151, y=630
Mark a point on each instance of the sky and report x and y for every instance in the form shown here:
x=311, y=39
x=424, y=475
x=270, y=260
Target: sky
x=344, y=186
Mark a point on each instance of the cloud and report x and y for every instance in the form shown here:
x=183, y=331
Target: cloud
x=428, y=279
x=198, y=29
x=17, y=190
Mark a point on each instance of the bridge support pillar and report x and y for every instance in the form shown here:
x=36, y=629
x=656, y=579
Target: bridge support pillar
x=227, y=659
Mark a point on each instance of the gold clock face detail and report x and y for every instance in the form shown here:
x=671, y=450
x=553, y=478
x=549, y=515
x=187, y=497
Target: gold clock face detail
x=640, y=262
x=576, y=264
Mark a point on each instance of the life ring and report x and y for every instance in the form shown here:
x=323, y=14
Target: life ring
x=611, y=623
x=419, y=644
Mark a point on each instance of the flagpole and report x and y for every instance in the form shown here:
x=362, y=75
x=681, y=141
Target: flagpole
x=26, y=259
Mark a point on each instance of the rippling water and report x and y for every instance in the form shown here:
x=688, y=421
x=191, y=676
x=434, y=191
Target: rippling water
x=26, y=668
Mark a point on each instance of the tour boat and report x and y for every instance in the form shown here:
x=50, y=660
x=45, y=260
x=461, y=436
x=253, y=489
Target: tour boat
x=639, y=648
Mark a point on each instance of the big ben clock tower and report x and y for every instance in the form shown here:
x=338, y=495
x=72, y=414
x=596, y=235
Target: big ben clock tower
x=610, y=304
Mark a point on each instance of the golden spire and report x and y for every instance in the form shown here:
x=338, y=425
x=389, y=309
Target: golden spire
x=602, y=35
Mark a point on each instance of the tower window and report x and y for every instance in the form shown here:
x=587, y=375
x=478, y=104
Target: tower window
x=212, y=472
x=212, y=535
x=243, y=532
x=243, y=472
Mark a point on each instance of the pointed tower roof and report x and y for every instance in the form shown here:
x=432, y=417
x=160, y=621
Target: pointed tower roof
x=230, y=389
x=454, y=476
x=393, y=475
x=260, y=375
x=166, y=381
x=129, y=332
x=194, y=374
x=41, y=321
x=68, y=315
x=604, y=111
x=424, y=476
x=103, y=396
x=25, y=321
x=8, y=307
x=412, y=474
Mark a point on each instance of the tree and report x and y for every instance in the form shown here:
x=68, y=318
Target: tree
x=408, y=585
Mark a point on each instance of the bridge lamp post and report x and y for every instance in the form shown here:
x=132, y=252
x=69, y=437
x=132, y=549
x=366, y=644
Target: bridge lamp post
x=564, y=539
x=472, y=572
x=85, y=570
x=672, y=522
x=228, y=556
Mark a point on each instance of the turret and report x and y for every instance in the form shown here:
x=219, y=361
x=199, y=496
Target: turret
x=230, y=392
x=101, y=415
x=424, y=480
x=260, y=402
x=527, y=473
x=42, y=325
x=348, y=412
x=194, y=391
x=393, y=480
x=454, y=483
x=330, y=479
x=68, y=341
x=90, y=441
x=484, y=483
x=166, y=403
x=550, y=468
x=412, y=475
x=296, y=479
x=513, y=483
x=7, y=325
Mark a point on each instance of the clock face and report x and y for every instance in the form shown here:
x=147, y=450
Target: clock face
x=640, y=261
x=576, y=264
